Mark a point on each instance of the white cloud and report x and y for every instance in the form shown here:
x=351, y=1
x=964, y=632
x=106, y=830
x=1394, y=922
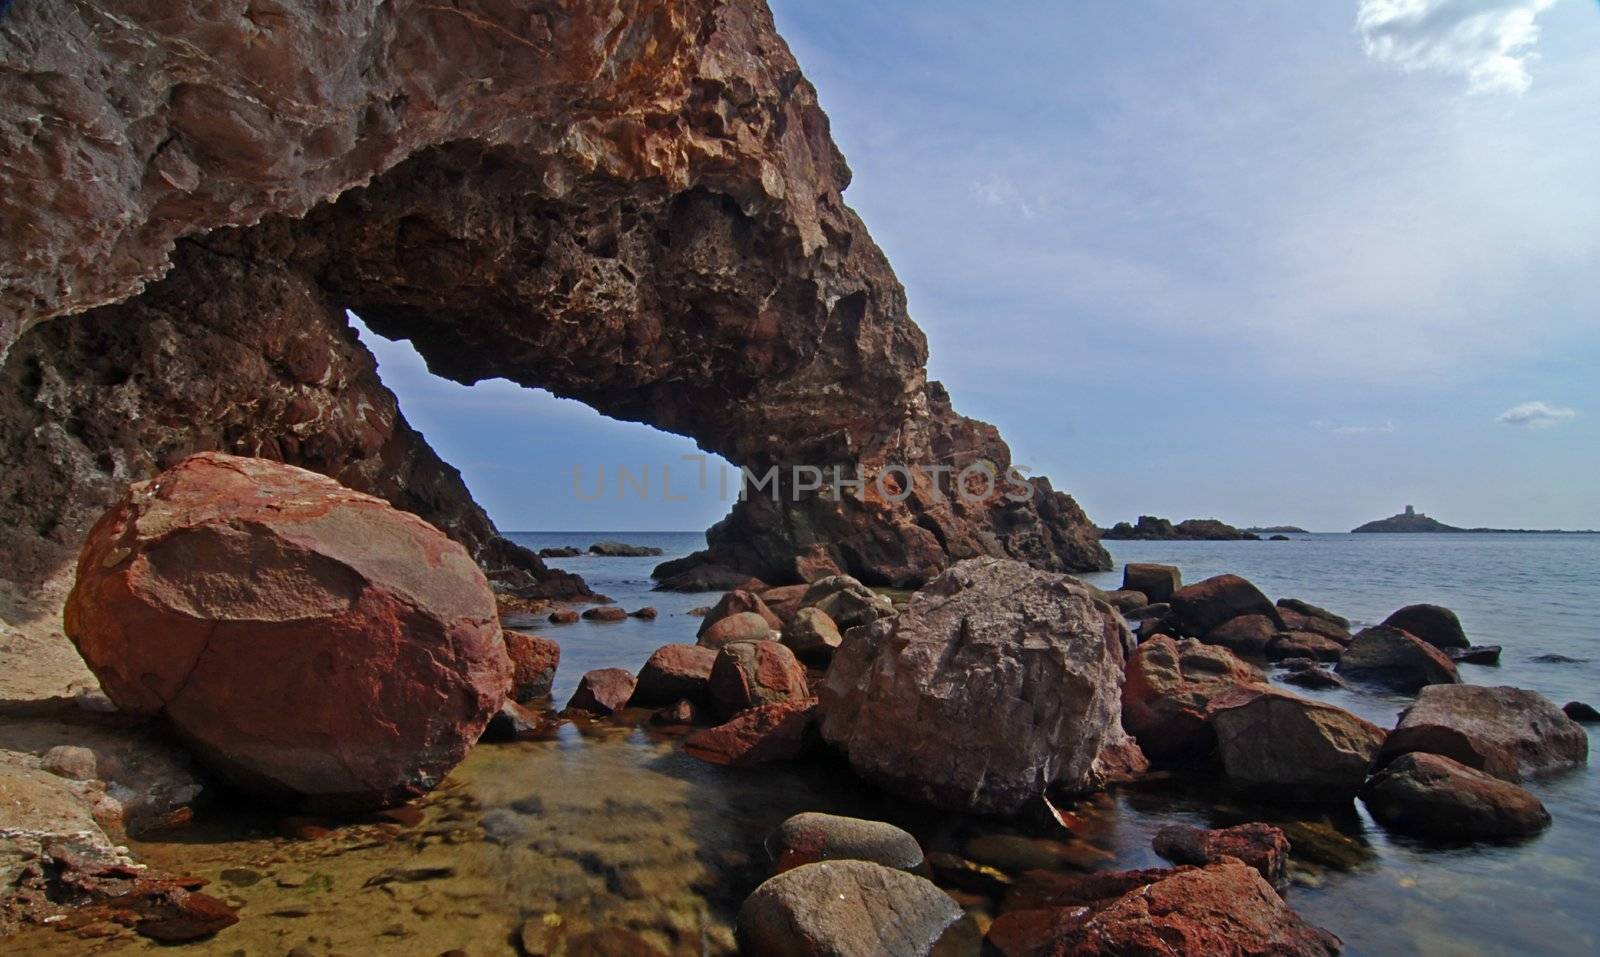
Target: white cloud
x=1386, y=428
x=1000, y=191
x=1490, y=42
x=1538, y=415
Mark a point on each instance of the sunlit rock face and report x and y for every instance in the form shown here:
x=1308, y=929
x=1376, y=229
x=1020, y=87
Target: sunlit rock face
x=635, y=204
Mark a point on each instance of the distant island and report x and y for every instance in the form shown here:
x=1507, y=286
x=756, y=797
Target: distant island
x=1412, y=520
x=1277, y=530
x=1149, y=528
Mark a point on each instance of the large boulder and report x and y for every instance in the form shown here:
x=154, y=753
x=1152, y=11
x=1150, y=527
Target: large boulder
x=812, y=836
x=1303, y=644
x=748, y=674
x=1168, y=687
x=742, y=626
x=533, y=666
x=1434, y=624
x=1308, y=610
x=812, y=636
x=1223, y=909
x=1328, y=627
x=1262, y=846
x=1432, y=795
x=308, y=642
x=674, y=673
x=1248, y=635
x=737, y=602
x=1394, y=658
x=1510, y=733
x=848, y=602
x=845, y=909
x=1204, y=605
x=1157, y=582
x=996, y=682
x=1279, y=746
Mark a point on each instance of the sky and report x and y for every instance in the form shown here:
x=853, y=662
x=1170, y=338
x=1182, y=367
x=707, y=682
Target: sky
x=1265, y=262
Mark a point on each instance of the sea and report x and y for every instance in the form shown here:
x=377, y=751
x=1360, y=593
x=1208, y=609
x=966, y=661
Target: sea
x=608, y=827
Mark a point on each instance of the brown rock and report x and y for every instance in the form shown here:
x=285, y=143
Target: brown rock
x=810, y=837
x=604, y=613
x=1394, y=658
x=1308, y=610
x=647, y=613
x=705, y=577
x=844, y=909
x=737, y=602
x=812, y=636
x=287, y=626
x=996, y=681
x=533, y=666
x=563, y=616
x=1156, y=582
x=1126, y=601
x=511, y=722
x=1261, y=846
x=748, y=674
x=1304, y=644
x=784, y=600
x=683, y=712
x=1580, y=712
x=1204, y=605
x=1432, y=795
x=1434, y=624
x=846, y=601
x=674, y=672
x=602, y=691
x=1294, y=620
x=1507, y=732
x=775, y=732
x=1165, y=696
x=1247, y=635
x=744, y=626
x=1281, y=747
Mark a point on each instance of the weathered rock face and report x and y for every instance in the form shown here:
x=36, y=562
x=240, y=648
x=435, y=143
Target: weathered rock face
x=632, y=203
x=674, y=672
x=998, y=681
x=1433, y=795
x=811, y=836
x=749, y=674
x=1389, y=656
x=1168, y=687
x=307, y=641
x=772, y=732
x=1511, y=733
x=1261, y=846
x=1282, y=747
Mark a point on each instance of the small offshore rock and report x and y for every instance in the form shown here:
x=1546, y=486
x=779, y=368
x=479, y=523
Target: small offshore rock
x=604, y=613
x=1435, y=796
x=845, y=909
x=647, y=613
x=1580, y=712
x=1475, y=655
x=812, y=836
x=563, y=616
x=623, y=550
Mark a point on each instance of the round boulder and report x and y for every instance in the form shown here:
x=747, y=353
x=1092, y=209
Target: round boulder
x=748, y=674
x=1206, y=604
x=812, y=636
x=744, y=626
x=845, y=909
x=1432, y=795
x=1435, y=624
x=810, y=837
x=1394, y=658
x=308, y=642
x=738, y=602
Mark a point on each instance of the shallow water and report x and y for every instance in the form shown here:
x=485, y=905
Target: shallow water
x=609, y=825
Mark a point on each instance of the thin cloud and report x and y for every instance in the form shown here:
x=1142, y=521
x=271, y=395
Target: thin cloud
x=1387, y=428
x=1537, y=415
x=1001, y=192
x=1490, y=42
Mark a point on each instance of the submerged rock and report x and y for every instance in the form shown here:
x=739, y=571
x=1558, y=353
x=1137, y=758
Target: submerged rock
x=1434, y=624
x=1394, y=658
x=1168, y=687
x=998, y=681
x=1510, y=733
x=810, y=837
x=1433, y=795
x=287, y=628
x=845, y=909
x=1282, y=747
x=1261, y=846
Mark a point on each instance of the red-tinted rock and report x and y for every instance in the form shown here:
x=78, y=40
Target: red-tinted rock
x=703, y=577
x=1304, y=644
x=784, y=600
x=744, y=626
x=1279, y=746
x=602, y=691
x=563, y=616
x=1248, y=635
x=1510, y=733
x=1296, y=620
x=748, y=674
x=533, y=665
x=604, y=613
x=1434, y=624
x=774, y=732
x=1205, y=605
x=737, y=602
x=1394, y=658
x=674, y=672
x=1157, y=582
x=1262, y=846
x=290, y=630
x=1168, y=687
x=511, y=722
x=647, y=613
x=1432, y=795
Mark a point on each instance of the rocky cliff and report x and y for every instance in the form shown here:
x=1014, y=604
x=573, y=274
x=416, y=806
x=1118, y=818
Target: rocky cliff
x=632, y=203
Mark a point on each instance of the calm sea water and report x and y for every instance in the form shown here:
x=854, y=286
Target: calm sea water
x=609, y=824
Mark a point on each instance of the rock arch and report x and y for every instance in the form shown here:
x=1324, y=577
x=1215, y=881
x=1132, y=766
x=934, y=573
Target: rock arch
x=633, y=203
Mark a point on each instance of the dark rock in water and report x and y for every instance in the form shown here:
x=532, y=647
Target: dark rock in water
x=647, y=613
x=1475, y=655
x=563, y=616
x=683, y=712
x=1432, y=795
x=736, y=602
x=1205, y=605
x=602, y=691
x=1510, y=733
x=775, y=732
x=1157, y=610
x=247, y=602
x=835, y=908
x=1149, y=528
x=810, y=837
x=533, y=666
x=1223, y=908
x=1389, y=656
x=1313, y=677
x=1553, y=659
x=1247, y=635
x=623, y=550
x=1168, y=686
x=511, y=722
x=1297, y=621
x=953, y=870
x=560, y=551
x=947, y=703
x=1313, y=611
x=604, y=613
x=1279, y=746
x=674, y=672
x=749, y=674
x=1156, y=582
x=73, y=886
x=1303, y=644
x=1279, y=538
x=707, y=578
x=1435, y=624
x=1580, y=712
x=1261, y=846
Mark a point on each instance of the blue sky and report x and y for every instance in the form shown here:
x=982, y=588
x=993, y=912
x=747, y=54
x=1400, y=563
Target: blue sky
x=1268, y=262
